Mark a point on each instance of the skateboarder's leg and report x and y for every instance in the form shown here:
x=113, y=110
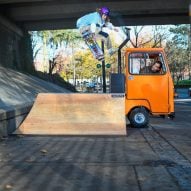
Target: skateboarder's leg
x=106, y=38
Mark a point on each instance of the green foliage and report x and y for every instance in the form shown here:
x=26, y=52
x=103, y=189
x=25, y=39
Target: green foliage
x=64, y=37
x=86, y=64
x=183, y=82
x=181, y=34
x=56, y=79
x=51, y=42
x=178, y=51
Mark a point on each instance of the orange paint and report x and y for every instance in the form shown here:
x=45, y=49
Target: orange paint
x=154, y=91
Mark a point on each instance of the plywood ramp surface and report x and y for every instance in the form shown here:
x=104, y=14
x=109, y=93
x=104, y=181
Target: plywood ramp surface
x=76, y=114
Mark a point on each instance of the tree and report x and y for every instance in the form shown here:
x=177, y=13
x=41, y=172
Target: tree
x=35, y=45
x=51, y=42
x=178, y=51
x=159, y=36
x=44, y=37
x=152, y=37
x=136, y=42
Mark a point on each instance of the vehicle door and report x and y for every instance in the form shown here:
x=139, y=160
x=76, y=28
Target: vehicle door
x=148, y=86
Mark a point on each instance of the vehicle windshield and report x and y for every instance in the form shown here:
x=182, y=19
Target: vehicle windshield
x=146, y=63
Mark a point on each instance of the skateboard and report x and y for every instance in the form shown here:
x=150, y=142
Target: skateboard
x=93, y=45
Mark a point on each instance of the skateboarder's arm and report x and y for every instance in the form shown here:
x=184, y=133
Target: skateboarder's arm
x=93, y=27
x=111, y=26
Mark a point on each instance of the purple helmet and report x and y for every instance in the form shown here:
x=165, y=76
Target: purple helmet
x=105, y=11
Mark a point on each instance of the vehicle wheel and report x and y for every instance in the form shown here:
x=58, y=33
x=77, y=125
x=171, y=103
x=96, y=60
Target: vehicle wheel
x=139, y=117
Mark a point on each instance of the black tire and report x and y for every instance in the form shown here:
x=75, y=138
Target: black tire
x=139, y=117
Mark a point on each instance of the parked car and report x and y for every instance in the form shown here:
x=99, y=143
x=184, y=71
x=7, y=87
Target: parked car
x=91, y=85
x=175, y=94
x=189, y=92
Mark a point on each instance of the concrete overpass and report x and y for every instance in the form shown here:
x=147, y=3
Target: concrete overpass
x=62, y=14
x=17, y=17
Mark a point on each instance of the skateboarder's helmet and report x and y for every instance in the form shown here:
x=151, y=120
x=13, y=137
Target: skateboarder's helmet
x=105, y=11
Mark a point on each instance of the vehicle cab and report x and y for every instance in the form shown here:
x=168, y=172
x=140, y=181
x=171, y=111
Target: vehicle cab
x=146, y=91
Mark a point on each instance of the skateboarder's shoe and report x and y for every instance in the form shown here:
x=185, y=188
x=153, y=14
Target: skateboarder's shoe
x=100, y=58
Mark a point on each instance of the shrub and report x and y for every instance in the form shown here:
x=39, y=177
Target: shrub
x=56, y=79
x=182, y=84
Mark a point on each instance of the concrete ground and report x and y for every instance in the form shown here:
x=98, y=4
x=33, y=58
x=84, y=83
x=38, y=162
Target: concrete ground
x=154, y=158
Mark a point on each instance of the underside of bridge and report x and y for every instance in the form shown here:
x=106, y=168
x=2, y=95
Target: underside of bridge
x=17, y=17
x=62, y=14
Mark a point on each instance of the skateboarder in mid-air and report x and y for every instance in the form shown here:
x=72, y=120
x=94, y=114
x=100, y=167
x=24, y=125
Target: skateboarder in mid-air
x=91, y=27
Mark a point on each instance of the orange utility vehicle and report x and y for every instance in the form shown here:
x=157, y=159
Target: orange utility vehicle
x=146, y=93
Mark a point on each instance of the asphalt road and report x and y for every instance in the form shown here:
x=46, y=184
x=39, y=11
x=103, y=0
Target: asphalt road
x=154, y=158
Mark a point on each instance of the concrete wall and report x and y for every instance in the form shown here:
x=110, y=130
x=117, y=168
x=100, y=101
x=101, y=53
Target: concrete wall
x=11, y=119
x=15, y=47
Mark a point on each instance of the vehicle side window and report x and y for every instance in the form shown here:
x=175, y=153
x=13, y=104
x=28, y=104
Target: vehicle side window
x=136, y=62
x=146, y=63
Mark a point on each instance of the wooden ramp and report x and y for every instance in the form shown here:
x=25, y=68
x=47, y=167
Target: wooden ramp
x=76, y=114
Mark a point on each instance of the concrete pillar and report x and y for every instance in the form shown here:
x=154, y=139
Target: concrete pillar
x=15, y=46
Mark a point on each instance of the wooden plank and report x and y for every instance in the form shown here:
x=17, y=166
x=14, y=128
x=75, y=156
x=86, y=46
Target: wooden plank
x=76, y=114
